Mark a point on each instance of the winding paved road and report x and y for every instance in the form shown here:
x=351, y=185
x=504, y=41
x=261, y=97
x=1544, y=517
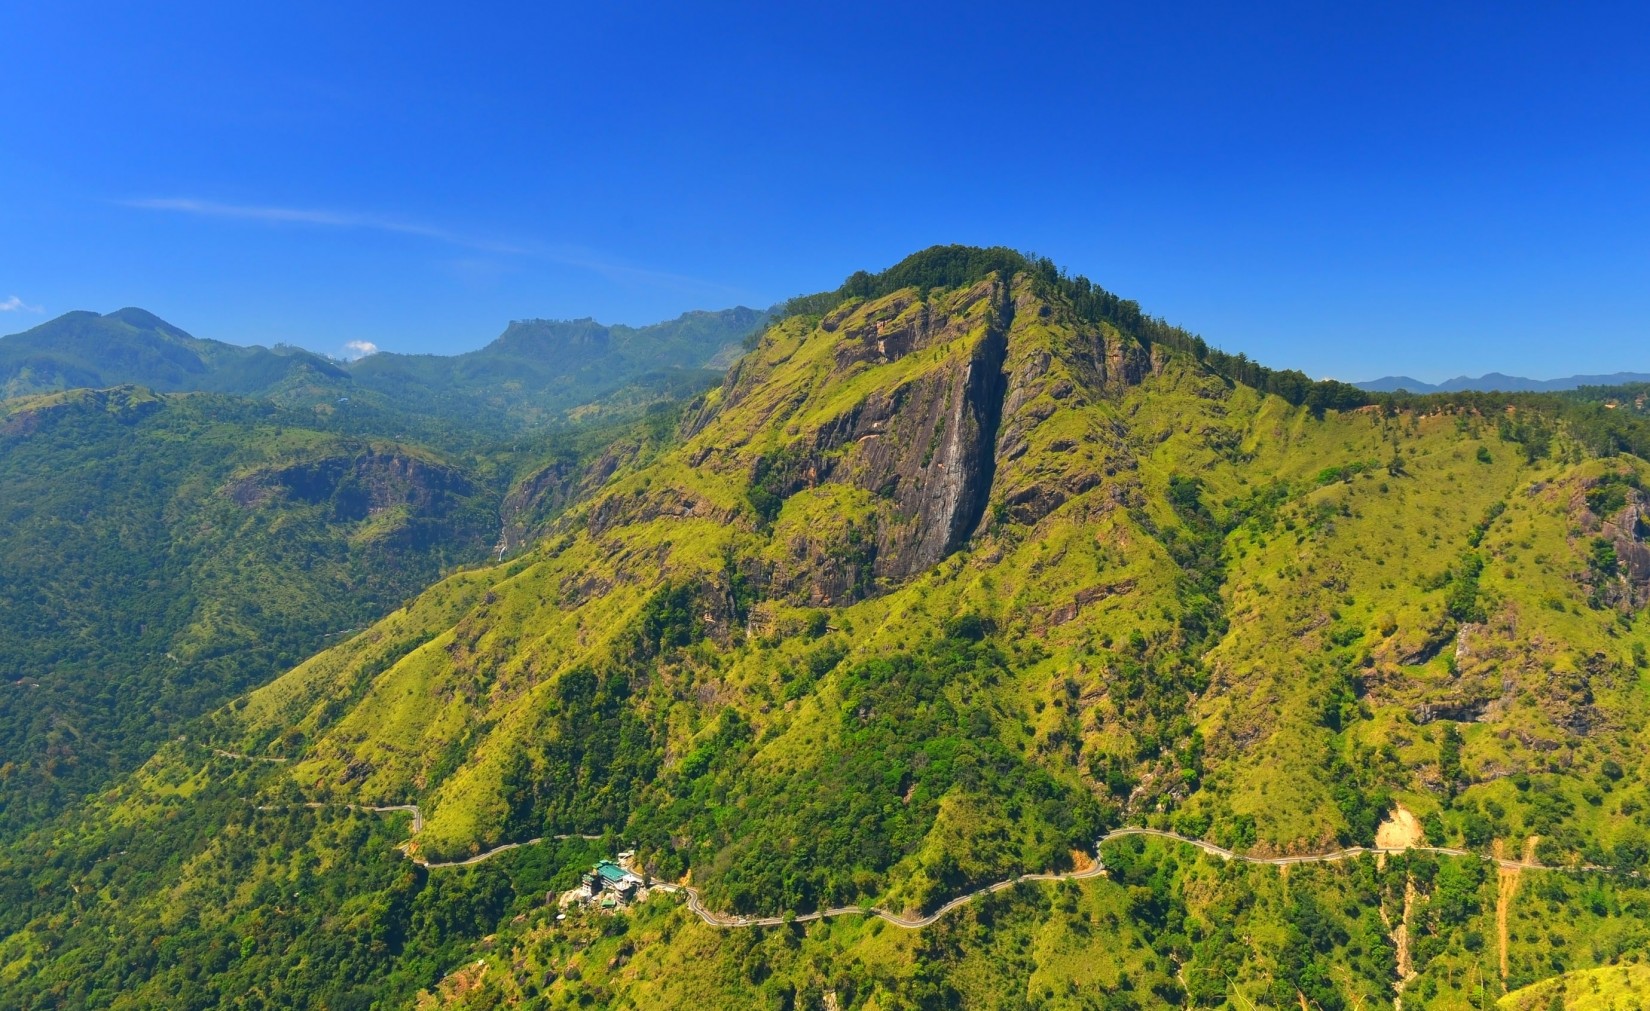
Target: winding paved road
x=479, y=857
x=1346, y=854
x=418, y=816
x=696, y=904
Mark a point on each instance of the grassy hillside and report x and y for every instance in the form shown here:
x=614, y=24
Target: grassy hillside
x=962, y=566
x=1624, y=988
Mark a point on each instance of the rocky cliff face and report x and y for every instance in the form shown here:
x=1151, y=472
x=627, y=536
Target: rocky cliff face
x=1626, y=531
x=357, y=486
x=532, y=504
x=1047, y=452
x=925, y=447
x=957, y=390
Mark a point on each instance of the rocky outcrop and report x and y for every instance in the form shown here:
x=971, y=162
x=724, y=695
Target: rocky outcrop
x=1458, y=710
x=821, y=564
x=951, y=432
x=357, y=486
x=923, y=447
x=933, y=455
x=954, y=445
x=1414, y=652
x=545, y=491
x=927, y=446
x=535, y=501
x=1626, y=530
x=1054, y=364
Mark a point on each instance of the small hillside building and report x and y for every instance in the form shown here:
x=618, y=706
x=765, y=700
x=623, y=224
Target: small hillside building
x=608, y=876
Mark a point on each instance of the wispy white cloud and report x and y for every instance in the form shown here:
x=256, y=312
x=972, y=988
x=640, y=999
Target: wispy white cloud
x=321, y=218
x=15, y=304
x=565, y=255
x=354, y=350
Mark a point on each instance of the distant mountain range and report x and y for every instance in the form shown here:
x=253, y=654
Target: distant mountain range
x=1499, y=383
x=131, y=346
x=537, y=371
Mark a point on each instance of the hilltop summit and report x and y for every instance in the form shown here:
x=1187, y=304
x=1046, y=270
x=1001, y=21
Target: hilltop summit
x=134, y=347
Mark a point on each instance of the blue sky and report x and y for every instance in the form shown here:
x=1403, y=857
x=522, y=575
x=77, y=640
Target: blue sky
x=1429, y=189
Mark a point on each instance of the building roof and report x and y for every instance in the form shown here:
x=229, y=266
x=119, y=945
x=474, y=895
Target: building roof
x=611, y=871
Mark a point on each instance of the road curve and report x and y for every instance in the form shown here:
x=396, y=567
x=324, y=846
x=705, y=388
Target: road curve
x=417, y=815
x=418, y=826
x=1346, y=854
x=696, y=904
x=479, y=857
x=697, y=907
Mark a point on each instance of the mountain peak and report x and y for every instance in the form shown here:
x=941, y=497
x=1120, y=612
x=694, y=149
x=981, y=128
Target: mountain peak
x=553, y=333
x=127, y=346
x=950, y=266
x=86, y=323
x=143, y=319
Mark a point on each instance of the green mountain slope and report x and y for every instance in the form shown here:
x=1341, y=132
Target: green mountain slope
x=964, y=565
x=1224, y=543
x=538, y=373
x=159, y=554
x=1626, y=988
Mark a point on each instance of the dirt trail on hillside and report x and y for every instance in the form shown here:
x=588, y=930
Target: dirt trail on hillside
x=1400, y=940
x=1401, y=831
x=1507, y=878
x=233, y=754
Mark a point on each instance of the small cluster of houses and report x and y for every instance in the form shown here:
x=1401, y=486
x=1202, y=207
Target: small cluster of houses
x=608, y=885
